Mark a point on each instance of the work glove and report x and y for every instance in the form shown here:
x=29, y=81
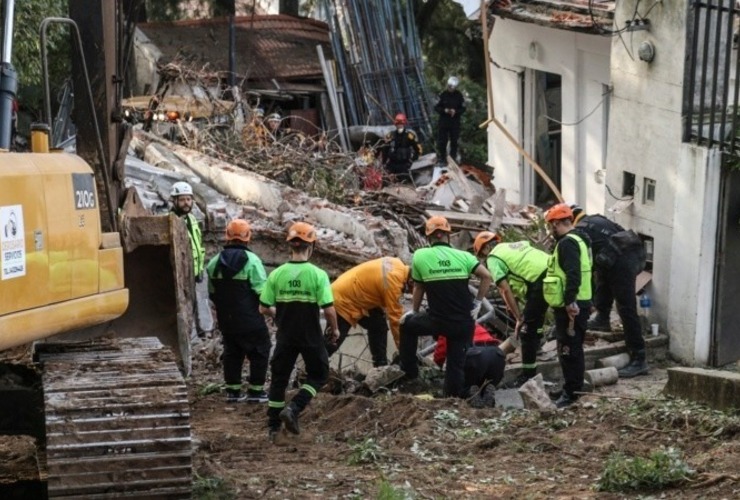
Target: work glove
x=476, y=308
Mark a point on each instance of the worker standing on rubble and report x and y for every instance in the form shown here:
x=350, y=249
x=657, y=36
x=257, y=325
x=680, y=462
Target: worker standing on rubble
x=518, y=270
x=370, y=295
x=450, y=106
x=441, y=273
x=619, y=256
x=401, y=149
x=236, y=277
x=182, y=206
x=293, y=295
x=567, y=289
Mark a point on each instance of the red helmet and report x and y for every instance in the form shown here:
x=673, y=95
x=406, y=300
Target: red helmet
x=400, y=119
x=483, y=238
x=559, y=212
x=239, y=229
x=302, y=231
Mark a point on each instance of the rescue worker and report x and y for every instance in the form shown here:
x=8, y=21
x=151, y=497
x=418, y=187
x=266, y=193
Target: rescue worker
x=182, y=206
x=370, y=295
x=450, y=107
x=401, y=149
x=255, y=131
x=481, y=337
x=441, y=273
x=273, y=126
x=518, y=270
x=484, y=369
x=567, y=289
x=619, y=256
x=236, y=277
x=294, y=294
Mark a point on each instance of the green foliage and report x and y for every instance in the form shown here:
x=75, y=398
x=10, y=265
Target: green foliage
x=27, y=48
x=211, y=388
x=211, y=488
x=681, y=414
x=661, y=469
x=386, y=491
x=366, y=452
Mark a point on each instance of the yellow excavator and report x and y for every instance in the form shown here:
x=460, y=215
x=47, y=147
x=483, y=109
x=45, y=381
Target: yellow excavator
x=102, y=288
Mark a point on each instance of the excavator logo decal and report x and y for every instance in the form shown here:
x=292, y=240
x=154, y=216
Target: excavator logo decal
x=12, y=242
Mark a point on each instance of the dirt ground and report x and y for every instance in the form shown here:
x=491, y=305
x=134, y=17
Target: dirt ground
x=404, y=446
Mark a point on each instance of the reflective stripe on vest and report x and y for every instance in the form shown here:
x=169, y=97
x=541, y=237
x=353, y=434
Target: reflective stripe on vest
x=554, y=269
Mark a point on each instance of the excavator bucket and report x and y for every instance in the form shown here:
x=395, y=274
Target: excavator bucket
x=158, y=271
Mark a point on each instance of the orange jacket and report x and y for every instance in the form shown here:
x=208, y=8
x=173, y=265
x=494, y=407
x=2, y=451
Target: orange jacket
x=372, y=284
x=481, y=336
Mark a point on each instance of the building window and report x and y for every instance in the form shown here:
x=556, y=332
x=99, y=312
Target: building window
x=648, y=192
x=628, y=184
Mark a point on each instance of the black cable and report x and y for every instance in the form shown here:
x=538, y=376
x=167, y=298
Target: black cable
x=618, y=31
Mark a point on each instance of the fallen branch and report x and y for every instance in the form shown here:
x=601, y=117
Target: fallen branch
x=708, y=479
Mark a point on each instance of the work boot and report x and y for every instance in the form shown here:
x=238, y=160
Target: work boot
x=600, y=323
x=272, y=433
x=489, y=396
x=637, y=365
x=566, y=400
x=289, y=416
x=256, y=396
x=235, y=397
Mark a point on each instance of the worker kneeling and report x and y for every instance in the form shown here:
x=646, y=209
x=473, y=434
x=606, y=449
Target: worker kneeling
x=484, y=366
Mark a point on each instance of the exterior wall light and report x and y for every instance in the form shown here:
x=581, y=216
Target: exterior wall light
x=646, y=51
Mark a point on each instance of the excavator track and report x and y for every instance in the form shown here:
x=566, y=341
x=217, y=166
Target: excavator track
x=117, y=420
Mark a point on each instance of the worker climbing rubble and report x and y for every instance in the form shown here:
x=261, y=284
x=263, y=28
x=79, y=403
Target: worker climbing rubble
x=400, y=150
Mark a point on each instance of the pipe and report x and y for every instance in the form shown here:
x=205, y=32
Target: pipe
x=8, y=79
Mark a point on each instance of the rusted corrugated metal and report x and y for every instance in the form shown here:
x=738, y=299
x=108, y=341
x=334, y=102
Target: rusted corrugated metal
x=268, y=47
x=587, y=16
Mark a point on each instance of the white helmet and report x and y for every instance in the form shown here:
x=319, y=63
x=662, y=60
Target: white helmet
x=453, y=82
x=274, y=116
x=181, y=188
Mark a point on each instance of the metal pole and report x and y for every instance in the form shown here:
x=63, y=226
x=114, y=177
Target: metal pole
x=8, y=79
x=232, y=52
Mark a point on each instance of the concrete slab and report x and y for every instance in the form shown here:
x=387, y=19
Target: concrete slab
x=716, y=388
x=509, y=399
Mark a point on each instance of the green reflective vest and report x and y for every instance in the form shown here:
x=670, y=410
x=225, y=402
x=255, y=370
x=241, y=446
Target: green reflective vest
x=196, y=244
x=519, y=263
x=554, y=284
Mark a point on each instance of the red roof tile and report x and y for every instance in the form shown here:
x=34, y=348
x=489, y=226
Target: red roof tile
x=267, y=47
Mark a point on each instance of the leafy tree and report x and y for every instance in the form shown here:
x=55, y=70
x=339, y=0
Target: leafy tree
x=26, y=57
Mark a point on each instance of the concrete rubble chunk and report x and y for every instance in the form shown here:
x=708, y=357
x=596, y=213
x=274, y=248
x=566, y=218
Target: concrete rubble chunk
x=381, y=376
x=534, y=394
x=716, y=388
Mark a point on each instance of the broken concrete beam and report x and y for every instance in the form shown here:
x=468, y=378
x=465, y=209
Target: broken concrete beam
x=617, y=361
x=378, y=236
x=601, y=376
x=716, y=388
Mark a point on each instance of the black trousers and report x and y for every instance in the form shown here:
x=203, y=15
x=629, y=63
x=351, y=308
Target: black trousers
x=618, y=284
x=533, y=316
x=400, y=170
x=449, y=131
x=459, y=337
x=484, y=364
x=376, y=325
x=283, y=361
x=570, y=347
x=254, y=346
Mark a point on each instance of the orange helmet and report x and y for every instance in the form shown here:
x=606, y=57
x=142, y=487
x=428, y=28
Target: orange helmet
x=559, y=212
x=302, y=231
x=239, y=229
x=400, y=119
x=437, y=223
x=483, y=238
